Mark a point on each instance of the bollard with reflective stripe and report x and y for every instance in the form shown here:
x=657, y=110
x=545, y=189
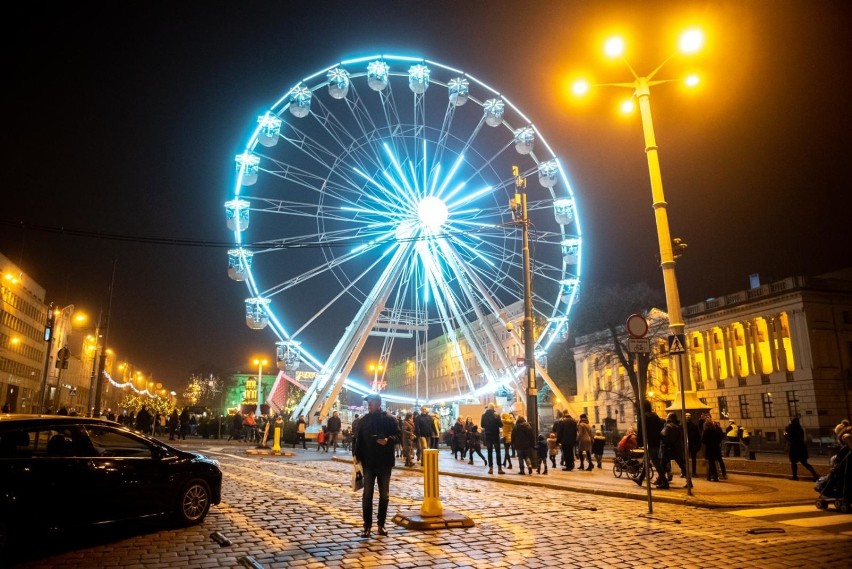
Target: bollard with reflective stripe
x=431, y=506
x=276, y=438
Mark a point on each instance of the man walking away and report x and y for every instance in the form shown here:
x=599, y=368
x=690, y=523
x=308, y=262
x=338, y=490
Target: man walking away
x=424, y=429
x=491, y=428
x=333, y=430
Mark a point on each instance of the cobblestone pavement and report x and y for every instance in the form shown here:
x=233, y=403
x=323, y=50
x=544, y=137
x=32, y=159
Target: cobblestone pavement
x=299, y=512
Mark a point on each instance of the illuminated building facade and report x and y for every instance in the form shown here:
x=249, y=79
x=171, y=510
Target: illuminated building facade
x=757, y=356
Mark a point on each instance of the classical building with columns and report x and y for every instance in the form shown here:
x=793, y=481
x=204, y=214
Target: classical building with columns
x=758, y=357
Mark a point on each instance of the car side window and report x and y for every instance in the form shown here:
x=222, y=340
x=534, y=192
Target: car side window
x=15, y=444
x=108, y=442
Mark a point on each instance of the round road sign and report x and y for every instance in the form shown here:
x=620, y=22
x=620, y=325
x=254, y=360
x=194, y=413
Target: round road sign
x=637, y=326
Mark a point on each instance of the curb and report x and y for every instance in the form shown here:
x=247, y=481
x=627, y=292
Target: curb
x=657, y=497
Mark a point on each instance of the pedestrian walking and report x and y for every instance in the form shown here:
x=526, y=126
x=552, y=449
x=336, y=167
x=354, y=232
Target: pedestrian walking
x=541, y=448
x=524, y=441
x=459, y=438
x=693, y=440
x=185, y=423
x=333, y=428
x=671, y=449
x=174, y=424
x=584, y=441
x=424, y=429
x=373, y=447
x=408, y=439
x=732, y=439
x=598, y=444
x=508, y=450
x=491, y=428
x=654, y=423
x=552, y=448
x=474, y=444
x=567, y=437
x=301, y=428
x=711, y=438
x=797, y=449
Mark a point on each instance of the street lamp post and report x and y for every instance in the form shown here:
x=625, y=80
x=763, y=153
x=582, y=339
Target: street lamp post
x=259, y=363
x=519, y=212
x=690, y=42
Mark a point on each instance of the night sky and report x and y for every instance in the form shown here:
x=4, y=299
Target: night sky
x=123, y=118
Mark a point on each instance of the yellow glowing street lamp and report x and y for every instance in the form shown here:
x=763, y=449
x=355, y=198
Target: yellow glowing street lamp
x=690, y=42
x=376, y=368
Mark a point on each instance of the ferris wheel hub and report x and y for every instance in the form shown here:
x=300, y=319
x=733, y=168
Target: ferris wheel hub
x=432, y=213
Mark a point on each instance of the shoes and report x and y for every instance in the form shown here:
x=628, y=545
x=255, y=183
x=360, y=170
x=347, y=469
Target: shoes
x=638, y=482
x=590, y=467
x=381, y=531
x=501, y=471
x=794, y=478
x=470, y=462
x=521, y=472
x=568, y=469
x=538, y=470
x=599, y=465
x=663, y=487
x=545, y=471
x=365, y=533
x=490, y=470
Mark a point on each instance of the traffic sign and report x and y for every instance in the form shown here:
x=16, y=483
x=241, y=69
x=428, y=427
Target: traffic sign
x=639, y=345
x=677, y=343
x=637, y=326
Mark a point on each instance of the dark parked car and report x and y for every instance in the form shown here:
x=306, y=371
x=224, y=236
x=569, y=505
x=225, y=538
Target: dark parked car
x=61, y=472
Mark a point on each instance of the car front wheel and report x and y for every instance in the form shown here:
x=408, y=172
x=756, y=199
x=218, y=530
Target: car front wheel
x=193, y=502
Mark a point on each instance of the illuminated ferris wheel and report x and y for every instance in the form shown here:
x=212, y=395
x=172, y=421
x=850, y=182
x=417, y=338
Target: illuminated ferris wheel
x=371, y=212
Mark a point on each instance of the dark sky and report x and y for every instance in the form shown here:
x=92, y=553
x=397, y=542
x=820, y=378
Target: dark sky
x=122, y=118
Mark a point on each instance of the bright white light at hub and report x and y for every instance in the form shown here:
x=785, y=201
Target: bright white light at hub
x=432, y=212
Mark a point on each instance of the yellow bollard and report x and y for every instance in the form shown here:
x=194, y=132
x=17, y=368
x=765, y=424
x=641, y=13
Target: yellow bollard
x=276, y=438
x=431, y=506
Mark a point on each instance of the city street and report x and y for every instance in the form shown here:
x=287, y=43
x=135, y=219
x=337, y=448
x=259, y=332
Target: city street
x=299, y=511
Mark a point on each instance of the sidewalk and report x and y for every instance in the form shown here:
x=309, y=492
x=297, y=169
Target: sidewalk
x=745, y=487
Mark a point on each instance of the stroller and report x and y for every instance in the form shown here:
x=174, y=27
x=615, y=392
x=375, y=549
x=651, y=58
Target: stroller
x=836, y=484
x=630, y=462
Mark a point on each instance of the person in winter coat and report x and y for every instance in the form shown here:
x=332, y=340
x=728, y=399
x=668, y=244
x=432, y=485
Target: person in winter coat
x=671, y=448
x=174, y=424
x=524, y=441
x=424, y=429
x=584, y=441
x=797, y=449
x=508, y=425
x=185, y=420
x=143, y=420
x=474, y=444
x=711, y=438
x=408, y=439
x=567, y=437
x=374, y=444
x=655, y=425
x=333, y=426
x=598, y=444
x=459, y=439
x=693, y=440
x=552, y=448
x=491, y=428
x=541, y=448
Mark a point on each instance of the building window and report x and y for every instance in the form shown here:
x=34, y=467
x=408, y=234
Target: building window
x=744, y=407
x=699, y=380
x=792, y=404
x=722, y=401
x=621, y=411
x=768, y=408
x=597, y=415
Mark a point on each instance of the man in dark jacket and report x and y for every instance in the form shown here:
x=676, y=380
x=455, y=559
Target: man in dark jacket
x=524, y=441
x=373, y=447
x=424, y=430
x=671, y=448
x=693, y=440
x=491, y=428
x=655, y=425
x=567, y=438
x=333, y=428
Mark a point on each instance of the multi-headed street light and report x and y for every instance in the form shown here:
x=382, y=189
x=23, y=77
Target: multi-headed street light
x=259, y=362
x=690, y=42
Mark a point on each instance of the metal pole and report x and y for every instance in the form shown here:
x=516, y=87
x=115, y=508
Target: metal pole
x=102, y=364
x=647, y=462
x=529, y=333
x=667, y=262
x=48, y=332
x=259, y=387
x=91, y=402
